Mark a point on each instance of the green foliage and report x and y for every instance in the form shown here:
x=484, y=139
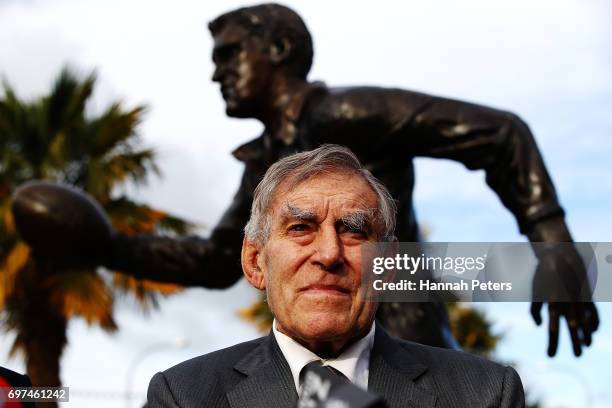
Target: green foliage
x=52, y=138
x=55, y=138
x=472, y=329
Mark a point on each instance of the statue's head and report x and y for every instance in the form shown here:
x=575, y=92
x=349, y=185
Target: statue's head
x=251, y=46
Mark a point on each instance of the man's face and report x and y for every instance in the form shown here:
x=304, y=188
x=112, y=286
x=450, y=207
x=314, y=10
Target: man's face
x=312, y=259
x=242, y=68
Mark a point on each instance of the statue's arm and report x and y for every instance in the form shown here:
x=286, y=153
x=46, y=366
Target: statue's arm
x=394, y=125
x=213, y=262
x=503, y=146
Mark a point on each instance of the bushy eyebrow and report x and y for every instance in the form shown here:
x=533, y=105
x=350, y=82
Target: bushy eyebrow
x=359, y=220
x=296, y=213
x=356, y=220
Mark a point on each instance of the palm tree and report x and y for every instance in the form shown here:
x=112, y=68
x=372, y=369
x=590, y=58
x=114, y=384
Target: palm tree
x=54, y=138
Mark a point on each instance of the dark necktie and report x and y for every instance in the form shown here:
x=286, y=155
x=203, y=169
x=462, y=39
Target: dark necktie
x=330, y=369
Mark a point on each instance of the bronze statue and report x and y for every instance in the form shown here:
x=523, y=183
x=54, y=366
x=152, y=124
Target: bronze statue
x=262, y=56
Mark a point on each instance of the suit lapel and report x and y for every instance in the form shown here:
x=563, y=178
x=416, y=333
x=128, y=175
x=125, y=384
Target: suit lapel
x=392, y=374
x=268, y=383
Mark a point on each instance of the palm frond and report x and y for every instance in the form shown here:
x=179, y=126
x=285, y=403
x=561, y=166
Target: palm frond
x=12, y=263
x=114, y=128
x=7, y=222
x=472, y=329
x=146, y=292
x=132, y=218
x=132, y=166
x=65, y=106
x=83, y=293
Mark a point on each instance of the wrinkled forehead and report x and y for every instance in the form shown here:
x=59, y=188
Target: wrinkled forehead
x=327, y=194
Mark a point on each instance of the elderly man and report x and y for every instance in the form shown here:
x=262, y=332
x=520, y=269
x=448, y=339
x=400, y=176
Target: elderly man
x=311, y=215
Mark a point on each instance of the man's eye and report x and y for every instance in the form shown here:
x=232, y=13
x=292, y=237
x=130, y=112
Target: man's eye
x=353, y=230
x=298, y=227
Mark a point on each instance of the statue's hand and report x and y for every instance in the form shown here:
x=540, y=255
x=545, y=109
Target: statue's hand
x=61, y=223
x=561, y=281
x=582, y=321
x=560, y=275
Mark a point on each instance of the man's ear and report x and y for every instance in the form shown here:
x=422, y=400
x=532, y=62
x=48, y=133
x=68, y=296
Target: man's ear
x=250, y=258
x=280, y=50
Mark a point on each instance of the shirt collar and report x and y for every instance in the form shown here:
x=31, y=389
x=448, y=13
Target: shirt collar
x=298, y=356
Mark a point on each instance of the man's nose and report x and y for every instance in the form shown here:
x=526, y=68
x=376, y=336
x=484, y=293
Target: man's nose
x=329, y=253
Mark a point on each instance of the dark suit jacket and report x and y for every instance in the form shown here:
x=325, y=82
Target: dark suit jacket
x=255, y=374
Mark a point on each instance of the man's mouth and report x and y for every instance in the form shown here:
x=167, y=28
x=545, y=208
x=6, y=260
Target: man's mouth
x=325, y=289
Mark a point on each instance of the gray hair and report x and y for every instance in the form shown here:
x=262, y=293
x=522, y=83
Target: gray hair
x=299, y=167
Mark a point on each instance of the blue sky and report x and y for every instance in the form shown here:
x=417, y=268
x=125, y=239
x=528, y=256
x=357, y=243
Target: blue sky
x=549, y=61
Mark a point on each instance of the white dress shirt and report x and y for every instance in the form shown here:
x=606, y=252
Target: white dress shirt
x=354, y=362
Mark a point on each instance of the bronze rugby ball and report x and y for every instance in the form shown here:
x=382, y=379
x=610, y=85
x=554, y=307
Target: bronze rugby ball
x=61, y=222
